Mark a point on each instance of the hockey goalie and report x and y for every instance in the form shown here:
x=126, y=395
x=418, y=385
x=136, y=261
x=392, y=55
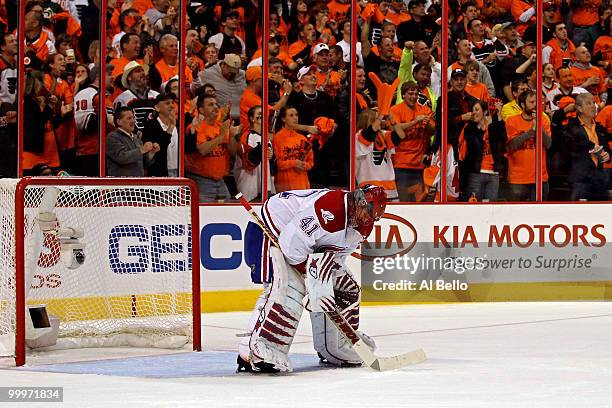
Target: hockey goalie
x=317, y=230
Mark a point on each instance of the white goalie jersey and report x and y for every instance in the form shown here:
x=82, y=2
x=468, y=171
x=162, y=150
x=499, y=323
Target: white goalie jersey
x=309, y=221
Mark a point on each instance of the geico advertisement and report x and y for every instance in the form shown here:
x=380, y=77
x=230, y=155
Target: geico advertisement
x=122, y=251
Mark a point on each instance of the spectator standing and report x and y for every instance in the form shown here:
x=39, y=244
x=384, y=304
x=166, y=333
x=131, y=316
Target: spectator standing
x=484, y=137
x=521, y=131
x=87, y=117
x=216, y=144
x=560, y=50
x=512, y=108
x=161, y=130
x=383, y=65
x=300, y=49
x=8, y=67
x=590, y=150
x=293, y=153
x=477, y=89
x=168, y=66
x=416, y=122
x=464, y=54
x=459, y=108
x=589, y=77
x=229, y=82
x=126, y=154
x=247, y=168
x=374, y=148
x=137, y=96
x=566, y=88
x=227, y=42
x=419, y=27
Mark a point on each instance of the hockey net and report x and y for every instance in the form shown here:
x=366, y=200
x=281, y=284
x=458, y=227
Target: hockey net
x=125, y=277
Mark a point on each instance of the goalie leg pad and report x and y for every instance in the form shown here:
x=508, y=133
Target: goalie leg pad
x=279, y=318
x=328, y=341
x=243, y=347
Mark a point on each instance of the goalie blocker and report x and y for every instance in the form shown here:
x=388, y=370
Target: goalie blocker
x=316, y=230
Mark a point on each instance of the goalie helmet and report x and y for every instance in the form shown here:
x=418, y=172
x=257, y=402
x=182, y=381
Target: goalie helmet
x=368, y=205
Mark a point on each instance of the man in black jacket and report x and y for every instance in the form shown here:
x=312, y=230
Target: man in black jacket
x=161, y=129
x=420, y=27
x=589, y=150
x=459, y=110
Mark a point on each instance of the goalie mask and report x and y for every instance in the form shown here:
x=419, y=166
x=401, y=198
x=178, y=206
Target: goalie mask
x=367, y=206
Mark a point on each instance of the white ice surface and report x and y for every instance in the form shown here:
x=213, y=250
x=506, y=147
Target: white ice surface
x=480, y=355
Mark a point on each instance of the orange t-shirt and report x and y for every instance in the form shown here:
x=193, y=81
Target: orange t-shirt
x=587, y=14
x=119, y=64
x=604, y=118
x=603, y=46
x=247, y=101
x=581, y=75
x=50, y=155
x=296, y=48
x=487, y=163
x=478, y=91
x=214, y=165
x=517, y=8
x=290, y=146
x=168, y=71
x=65, y=132
x=522, y=161
x=409, y=152
x=558, y=55
x=113, y=24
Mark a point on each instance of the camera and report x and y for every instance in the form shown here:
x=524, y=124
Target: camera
x=72, y=253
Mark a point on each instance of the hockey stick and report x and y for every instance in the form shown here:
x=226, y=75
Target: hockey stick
x=360, y=347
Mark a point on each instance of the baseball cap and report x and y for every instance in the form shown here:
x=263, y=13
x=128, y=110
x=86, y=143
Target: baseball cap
x=413, y=3
x=549, y=6
x=508, y=24
x=277, y=36
x=253, y=73
x=232, y=61
x=457, y=72
x=164, y=96
x=230, y=13
x=305, y=70
x=320, y=47
x=127, y=70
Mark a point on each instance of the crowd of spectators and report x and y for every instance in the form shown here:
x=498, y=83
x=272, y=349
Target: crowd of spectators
x=492, y=94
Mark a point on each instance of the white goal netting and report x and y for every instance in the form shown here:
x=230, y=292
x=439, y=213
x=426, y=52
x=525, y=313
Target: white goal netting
x=114, y=263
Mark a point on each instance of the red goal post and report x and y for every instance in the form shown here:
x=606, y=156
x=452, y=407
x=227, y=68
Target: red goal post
x=115, y=259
